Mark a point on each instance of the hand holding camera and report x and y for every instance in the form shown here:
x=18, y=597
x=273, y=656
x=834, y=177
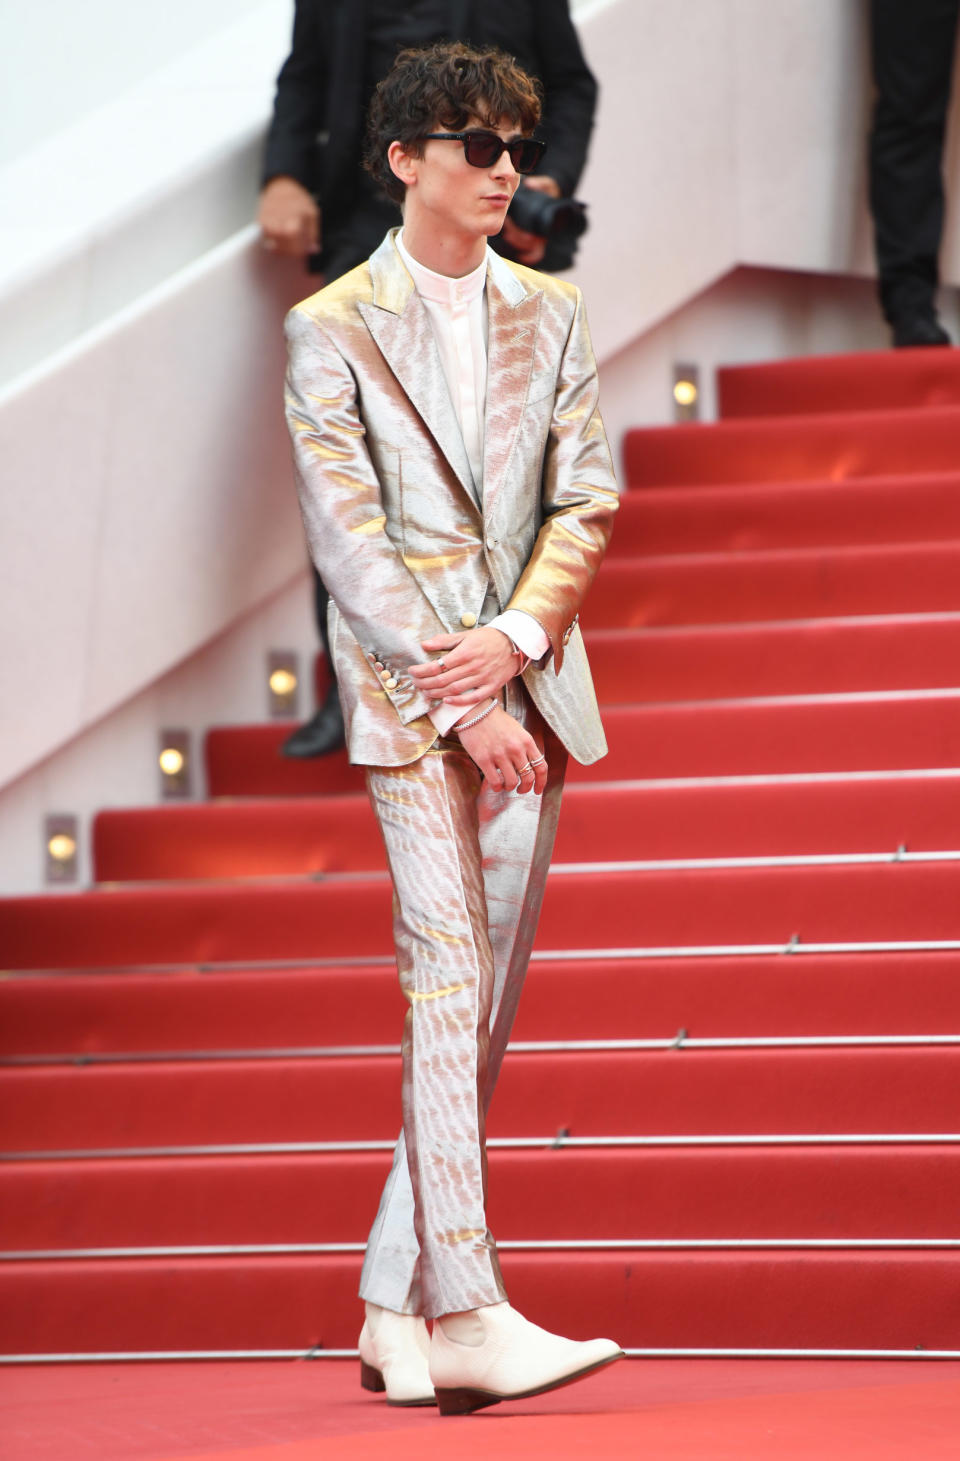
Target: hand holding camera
x=540, y=217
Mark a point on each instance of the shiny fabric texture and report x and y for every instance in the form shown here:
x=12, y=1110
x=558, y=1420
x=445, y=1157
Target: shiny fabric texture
x=410, y=549
x=469, y=865
x=391, y=511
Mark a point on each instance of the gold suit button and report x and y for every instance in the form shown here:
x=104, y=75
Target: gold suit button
x=391, y=683
x=385, y=675
x=468, y=620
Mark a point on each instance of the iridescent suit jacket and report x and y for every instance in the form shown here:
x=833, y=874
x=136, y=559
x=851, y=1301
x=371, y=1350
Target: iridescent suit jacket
x=406, y=544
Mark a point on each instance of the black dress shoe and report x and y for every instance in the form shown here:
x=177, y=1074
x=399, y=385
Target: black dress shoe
x=322, y=734
x=918, y=327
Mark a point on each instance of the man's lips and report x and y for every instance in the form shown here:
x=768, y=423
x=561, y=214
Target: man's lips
x=496, y=197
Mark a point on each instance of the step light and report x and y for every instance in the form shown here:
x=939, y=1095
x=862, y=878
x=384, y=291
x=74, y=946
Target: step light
x=60, y=848
x=686, y=393
x=174, y=763
x=283, y=683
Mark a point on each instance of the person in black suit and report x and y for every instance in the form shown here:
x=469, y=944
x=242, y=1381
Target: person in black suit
x=913, y=49
x=317, y=202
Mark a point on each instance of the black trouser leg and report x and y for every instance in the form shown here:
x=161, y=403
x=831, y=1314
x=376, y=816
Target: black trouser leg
x=913, y=49
x=321, y=599
x=323, y=732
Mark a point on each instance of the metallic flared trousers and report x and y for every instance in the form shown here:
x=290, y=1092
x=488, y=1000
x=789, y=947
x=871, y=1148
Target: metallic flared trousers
x=469, y=866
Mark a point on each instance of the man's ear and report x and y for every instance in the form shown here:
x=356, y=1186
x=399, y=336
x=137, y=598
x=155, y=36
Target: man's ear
x=402, y=163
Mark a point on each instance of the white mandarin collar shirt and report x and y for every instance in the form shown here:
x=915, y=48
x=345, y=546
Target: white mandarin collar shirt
x=457, y=309
x=458, y=313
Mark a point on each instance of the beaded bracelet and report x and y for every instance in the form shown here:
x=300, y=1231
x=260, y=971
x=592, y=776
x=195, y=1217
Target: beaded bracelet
x=466, y=724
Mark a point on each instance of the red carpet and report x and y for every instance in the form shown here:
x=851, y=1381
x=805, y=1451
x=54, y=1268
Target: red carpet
x=690, y=1410
x=755, y=903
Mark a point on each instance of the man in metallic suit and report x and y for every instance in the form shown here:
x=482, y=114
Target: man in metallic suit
x=458, y=495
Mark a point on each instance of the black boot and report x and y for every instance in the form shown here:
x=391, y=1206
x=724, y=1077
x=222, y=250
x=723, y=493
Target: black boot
x=322, y=734
x=918, y=326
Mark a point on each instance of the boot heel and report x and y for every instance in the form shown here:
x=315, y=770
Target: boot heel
x=463, y=1402
x=371, y=1379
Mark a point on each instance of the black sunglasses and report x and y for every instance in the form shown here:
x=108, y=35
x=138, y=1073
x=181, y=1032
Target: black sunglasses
x=483, y=149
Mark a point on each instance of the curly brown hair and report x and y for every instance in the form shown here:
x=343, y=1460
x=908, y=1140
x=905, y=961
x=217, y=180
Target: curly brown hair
x=443, y=87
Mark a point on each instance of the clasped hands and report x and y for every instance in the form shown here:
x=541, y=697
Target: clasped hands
x=473, y=667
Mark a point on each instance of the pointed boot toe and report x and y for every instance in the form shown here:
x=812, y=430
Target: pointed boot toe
x=515, y=1360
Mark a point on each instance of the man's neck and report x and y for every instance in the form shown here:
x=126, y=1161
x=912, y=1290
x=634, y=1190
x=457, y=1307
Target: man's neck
x=452, y=255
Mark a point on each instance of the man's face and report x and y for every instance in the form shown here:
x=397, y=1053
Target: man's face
x=450, y=195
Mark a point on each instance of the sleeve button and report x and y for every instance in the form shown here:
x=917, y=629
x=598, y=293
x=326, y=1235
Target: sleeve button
x=391, y=683
x=468, y=620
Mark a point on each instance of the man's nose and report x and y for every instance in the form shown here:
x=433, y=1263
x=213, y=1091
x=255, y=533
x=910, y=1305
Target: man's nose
x=503, y=167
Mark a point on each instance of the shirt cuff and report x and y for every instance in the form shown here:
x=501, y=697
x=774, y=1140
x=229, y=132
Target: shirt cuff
x=447, y=715
x=524, y=630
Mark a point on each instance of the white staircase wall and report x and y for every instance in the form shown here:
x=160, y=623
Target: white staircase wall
x=730, y=132
x=139, y=185
x=62, y=60
x=149, y=500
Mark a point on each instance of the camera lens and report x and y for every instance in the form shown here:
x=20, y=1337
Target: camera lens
x=548, y=217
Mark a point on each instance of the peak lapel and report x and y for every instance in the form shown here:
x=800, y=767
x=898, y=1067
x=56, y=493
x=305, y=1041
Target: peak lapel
x=513, y=321
x=404, y=335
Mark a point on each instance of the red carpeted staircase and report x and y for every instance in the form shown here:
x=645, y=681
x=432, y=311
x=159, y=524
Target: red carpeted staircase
x=730, y=1118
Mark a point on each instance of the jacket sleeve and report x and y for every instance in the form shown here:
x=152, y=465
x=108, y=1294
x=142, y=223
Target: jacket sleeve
x=343, y=515
x=569, y=94
x=299, y=104
x=579, y=497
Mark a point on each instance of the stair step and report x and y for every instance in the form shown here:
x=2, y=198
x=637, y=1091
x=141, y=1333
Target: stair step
x=875, y=381
x=810, y=656
x=750, y=996
x=732, y=1193
x=778, y=584
x=350, y=918
x=600, y=822
x=803, y=656
x=793, y=448
x=702, y=738
x=883, y=1090
x=748, y=517
x=250, y=757
x=831, y=1300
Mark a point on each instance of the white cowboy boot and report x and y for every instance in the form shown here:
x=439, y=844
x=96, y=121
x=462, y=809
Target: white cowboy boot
x=394, y=1355
x=493, y=1354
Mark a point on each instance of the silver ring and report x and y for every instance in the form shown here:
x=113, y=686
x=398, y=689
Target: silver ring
x=441, y=664
x=522, y=769
x=537, y=762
